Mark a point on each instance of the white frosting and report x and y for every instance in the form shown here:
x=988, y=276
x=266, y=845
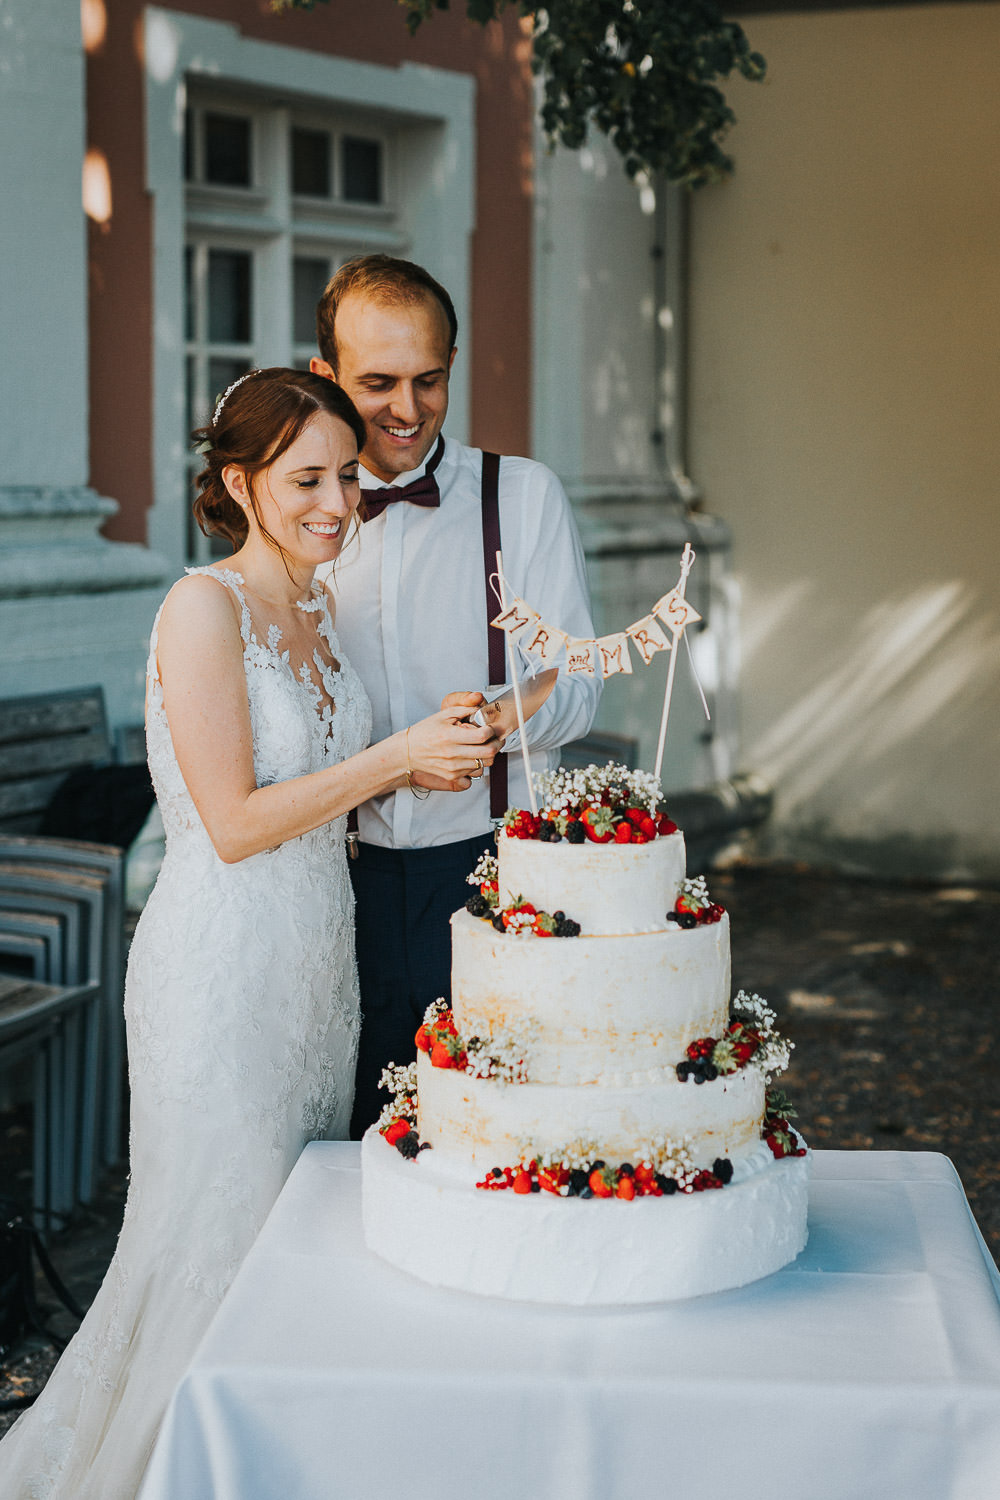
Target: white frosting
x=604, y=887
x=489, y=1122
x=542, y=1248
x=612, y=1009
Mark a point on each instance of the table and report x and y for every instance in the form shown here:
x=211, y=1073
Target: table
x=869, y=1369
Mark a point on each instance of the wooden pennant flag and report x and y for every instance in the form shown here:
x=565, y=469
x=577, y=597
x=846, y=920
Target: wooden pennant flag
x=516, y=618
x=544, y=641
x=580, y=655
x=614, y=653
x=675, y=612
x=648, y=638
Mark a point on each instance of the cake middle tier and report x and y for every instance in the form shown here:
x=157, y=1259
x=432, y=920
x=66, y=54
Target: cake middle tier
x=610, y=1010
x=489, y=1123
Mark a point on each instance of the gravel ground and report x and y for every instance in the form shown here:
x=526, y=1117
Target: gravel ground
x=888, y=991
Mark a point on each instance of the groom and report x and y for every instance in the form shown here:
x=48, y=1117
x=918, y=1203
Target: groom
x=413, y=605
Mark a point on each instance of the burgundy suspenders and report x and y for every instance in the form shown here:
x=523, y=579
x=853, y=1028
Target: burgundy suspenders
x=495, y=638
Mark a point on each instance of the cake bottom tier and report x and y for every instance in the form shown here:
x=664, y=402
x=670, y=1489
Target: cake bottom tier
x=428, y=1218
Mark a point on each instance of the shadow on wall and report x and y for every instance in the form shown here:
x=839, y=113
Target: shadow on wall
x=879, y=762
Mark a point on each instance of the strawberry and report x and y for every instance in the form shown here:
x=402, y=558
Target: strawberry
x=599, y=1184
x=441, y=1055
x=522, y=1181
x=423, y=1039
x=396, y=1130
x=551, y=1179
x=625, y=1188
x=665, y=825
x=623, y=833
x=543, y=925
x=644, y=1177
x=640, y=838
x=636, y=816
x=598, y=823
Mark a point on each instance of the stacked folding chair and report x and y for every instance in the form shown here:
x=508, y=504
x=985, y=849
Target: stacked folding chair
x=61, y=920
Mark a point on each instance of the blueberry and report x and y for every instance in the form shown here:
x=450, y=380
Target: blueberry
x=595, y=1166
x=699, y=1072
x=587, y=1191
x=498, y=923
x=722, y=1168
x=558, y=916
x=684, y=1070
x=711, y=1072
x=626, y=1170
x=687, y=919
x=673, y=916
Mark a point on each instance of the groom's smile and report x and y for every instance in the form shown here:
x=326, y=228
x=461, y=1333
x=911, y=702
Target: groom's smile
x=393, y=360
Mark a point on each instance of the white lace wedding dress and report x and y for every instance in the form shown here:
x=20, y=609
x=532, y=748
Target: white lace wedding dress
x=242, y=1013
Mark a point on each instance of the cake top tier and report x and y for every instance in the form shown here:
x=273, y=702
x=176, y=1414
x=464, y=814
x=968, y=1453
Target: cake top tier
x=602, y=849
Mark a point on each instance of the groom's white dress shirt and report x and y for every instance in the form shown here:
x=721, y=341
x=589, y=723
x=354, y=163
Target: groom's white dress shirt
x=411, y=617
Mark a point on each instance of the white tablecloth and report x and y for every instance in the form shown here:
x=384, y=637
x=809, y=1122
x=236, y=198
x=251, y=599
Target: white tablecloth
x=867, y=1370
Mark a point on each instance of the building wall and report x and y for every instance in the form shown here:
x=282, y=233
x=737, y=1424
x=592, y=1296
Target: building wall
x=844, y=383
x=496, y=347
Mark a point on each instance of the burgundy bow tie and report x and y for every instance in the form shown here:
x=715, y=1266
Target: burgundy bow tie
x=421, y=491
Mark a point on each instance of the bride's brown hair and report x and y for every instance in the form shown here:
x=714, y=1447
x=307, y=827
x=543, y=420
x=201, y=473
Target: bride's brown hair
x=255, y=422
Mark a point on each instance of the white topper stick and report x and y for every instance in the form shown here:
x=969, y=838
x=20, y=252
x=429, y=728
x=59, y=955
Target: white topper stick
x=687, y=560
x=518, y=708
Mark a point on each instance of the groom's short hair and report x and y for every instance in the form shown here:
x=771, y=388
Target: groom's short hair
x=382, y=278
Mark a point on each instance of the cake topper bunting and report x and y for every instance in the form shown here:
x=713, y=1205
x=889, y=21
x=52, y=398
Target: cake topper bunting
x=607, y=655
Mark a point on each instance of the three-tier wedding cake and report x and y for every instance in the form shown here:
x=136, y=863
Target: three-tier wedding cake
x=590, y=1120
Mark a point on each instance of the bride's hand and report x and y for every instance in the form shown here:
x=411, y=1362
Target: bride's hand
x=447, y=752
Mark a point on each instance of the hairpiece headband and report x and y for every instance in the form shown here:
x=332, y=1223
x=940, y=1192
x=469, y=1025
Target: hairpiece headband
x=229, y=391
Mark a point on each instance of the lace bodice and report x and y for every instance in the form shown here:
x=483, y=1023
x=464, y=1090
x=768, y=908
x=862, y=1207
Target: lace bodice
x=300, y=722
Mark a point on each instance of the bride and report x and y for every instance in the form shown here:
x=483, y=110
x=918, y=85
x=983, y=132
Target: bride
x=241, y=998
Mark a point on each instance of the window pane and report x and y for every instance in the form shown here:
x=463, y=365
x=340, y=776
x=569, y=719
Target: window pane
x=309, y=278
x=311, y=163
x=229, y=291
x=362, y=163
x=189, y=292
x=227, y=150
x=188, y=145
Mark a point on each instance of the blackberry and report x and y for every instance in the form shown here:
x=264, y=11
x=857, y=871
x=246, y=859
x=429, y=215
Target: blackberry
x=576, y=834
x=667, y=1185
x=684, y=1070
x=536, y=1187
x=547, y=830
x=477, y=905
x=577, y=1181
x=722, y=1168
x=567, y=928
x=409, y=1144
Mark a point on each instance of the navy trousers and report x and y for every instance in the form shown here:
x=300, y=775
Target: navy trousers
x=403, y=899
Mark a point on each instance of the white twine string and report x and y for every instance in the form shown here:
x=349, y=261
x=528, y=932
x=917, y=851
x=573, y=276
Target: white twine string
x=515, y=684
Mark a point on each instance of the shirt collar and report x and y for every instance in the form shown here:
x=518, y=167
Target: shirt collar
x=370, y=481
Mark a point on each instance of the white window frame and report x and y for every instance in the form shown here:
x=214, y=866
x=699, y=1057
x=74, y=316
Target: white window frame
x=429, y=216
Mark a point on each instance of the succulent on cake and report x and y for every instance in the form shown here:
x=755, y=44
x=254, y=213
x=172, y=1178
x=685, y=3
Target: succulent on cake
x=694, y=907
x=600, y=804
x=751, y=1037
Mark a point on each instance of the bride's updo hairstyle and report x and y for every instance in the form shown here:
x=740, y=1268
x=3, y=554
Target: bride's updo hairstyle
x=256, y=421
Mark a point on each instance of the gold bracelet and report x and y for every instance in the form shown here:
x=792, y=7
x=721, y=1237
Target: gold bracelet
x=421, y=793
